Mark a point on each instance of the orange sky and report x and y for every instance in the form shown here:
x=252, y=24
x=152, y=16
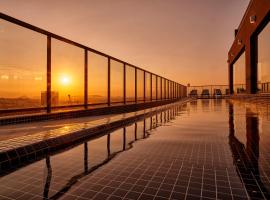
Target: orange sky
x=184, y=40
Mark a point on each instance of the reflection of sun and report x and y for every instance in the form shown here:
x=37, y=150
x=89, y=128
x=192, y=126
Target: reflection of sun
x=65, y=80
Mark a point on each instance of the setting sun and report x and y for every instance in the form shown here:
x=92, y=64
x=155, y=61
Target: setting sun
x=65, y=80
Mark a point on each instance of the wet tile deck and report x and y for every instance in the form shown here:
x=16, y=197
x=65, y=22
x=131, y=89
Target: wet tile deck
x=206, y=149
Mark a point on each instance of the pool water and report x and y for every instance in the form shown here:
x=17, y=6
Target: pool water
x=204, y=149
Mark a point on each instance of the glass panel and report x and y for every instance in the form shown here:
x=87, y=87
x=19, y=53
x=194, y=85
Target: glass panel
x=174, y=89
x=130, y=135
x=130, y=83
x=239, y=75
x=168, y=90
x=67, y=74
x=97, y=78
x=22, y=67
x=140, y=130
x=159, y=87
x=163, y=88
x=264, y=59
x=116, y=141
x=171, y=90
x=154, y=87
x=117, y=81
x=140, y=84
x=148, y=86
x=177, y=91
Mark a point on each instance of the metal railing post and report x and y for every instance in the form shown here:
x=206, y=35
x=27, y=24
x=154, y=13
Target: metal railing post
x=151, y=96
x=136, y=92
x=161, y=95
x=109, y=82
x=156, y=88
x=174, y=90
x=49, y=71
x=85, y=79
x=144, y=86
x=124, y=86
x=165, y=88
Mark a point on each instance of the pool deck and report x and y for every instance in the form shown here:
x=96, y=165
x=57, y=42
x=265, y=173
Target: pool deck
x=204, y=149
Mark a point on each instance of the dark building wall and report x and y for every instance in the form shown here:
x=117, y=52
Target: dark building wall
x=246, y=40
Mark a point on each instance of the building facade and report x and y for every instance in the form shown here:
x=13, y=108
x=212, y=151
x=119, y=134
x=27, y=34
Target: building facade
x=249, y=55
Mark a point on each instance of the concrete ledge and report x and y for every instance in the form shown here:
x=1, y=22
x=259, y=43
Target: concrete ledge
x=82, y=113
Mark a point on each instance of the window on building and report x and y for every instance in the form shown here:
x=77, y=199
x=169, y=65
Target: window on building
x=264, y=60
x=239, y=74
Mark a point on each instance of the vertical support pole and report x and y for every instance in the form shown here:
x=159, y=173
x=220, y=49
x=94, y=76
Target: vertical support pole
x=176, y=90
x=156, y=87
x=165, y=89
x=161, y=88
x=124, y=138
x=109, y=81
x=49, y=71
x=168, y=89
x=109, y=145
x=144, y=86
x=136, y=92
x=144, y=128
x=253, y=64
x=151, y=85
x=173, y=90
x=85, y=79
x=230, y=69
x=124, y=86
x=173, y=86
x=151, y=123
x=85, y=157
x=135, y=131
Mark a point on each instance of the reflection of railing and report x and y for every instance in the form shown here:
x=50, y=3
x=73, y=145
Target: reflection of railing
x=155, y=87
x=138, y=130
x=263, y=87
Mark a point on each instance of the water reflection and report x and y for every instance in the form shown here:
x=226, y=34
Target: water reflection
x=88, y=156
x=48, y=179
x=246, y=156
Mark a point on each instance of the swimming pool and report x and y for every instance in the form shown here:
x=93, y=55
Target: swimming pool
x=204, y=149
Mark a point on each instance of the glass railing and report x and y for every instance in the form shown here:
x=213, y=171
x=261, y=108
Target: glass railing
x=42, y=71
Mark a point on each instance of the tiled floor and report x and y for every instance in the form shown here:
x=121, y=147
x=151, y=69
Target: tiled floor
x=207, y=149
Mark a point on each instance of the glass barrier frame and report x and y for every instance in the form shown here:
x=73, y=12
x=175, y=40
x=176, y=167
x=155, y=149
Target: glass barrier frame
x=159, y=93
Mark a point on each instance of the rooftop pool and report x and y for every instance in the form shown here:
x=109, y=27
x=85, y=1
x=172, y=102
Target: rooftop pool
x=203, y=149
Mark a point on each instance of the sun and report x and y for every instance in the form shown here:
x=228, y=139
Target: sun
x=65, y=80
